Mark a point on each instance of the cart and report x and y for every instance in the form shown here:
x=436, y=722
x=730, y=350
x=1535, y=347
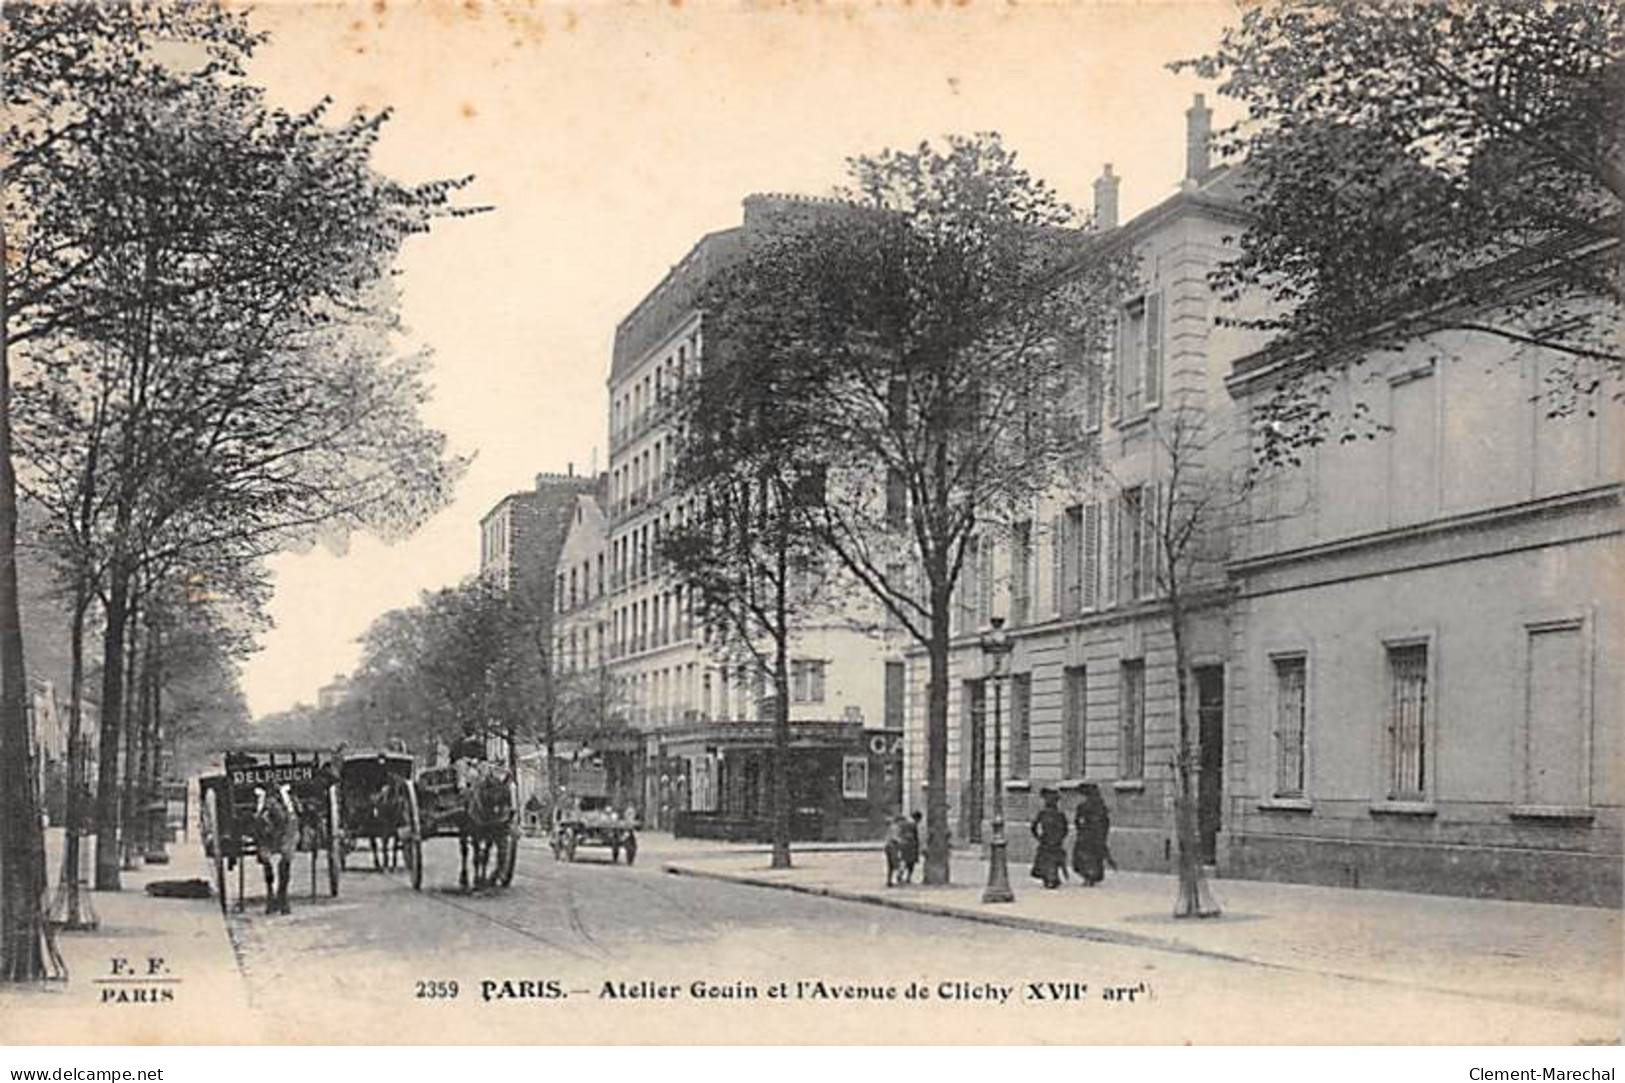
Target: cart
x=362, y=776
x=227, y=809
x=593, y=822
x=439, y=812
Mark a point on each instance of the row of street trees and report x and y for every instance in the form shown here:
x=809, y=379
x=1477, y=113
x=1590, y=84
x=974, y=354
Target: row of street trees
x=899, y=372
x=201, y=358
x=468, y=659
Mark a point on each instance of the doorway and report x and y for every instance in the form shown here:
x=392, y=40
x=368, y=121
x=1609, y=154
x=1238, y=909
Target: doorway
x=1210, y=779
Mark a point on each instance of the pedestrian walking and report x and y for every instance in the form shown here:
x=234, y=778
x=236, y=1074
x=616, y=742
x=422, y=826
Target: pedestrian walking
x=1049, y=828
x=1090, y=851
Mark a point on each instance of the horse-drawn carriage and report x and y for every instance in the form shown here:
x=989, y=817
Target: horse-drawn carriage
x=378, y=805
x=270, y=802
x=477, y=803
x=593, y=821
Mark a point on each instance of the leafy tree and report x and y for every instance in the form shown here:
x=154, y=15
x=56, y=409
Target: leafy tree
x=1418, y=166
x=743, y=480
x=227, y=262
x=66, y=67
x=459, y=662
x=929, y=341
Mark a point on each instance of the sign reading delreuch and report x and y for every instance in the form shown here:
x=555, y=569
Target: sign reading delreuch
x=1373, y=769
x=271, y=776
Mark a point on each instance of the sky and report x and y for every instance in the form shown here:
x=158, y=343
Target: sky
x=608, y=138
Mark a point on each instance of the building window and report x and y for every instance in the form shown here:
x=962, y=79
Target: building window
x=1407, y=722
x=1021, y=563
x=1021, y=714
x=1131, y=727
x=855, y=777
x=1556, y=769
x=1291, y=711
x=895, y=677
x=1139, y=356
x=1071, y=569
x=896, y=500
x=1074, y=722
x=806, y=681
x=1131, y=542
x=898, y=582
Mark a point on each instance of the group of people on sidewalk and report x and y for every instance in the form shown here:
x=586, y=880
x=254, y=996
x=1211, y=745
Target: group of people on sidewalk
x=1090, y=851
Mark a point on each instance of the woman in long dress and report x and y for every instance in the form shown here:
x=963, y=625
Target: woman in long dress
x=1049, y=828
x=1089, y=846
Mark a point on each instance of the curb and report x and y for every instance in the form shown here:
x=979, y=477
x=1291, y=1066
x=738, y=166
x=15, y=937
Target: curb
x=1100, y=935
x=1093, y=933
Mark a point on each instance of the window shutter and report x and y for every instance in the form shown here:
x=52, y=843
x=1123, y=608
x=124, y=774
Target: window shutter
x=1151, y=516
x=1112, y=359
x=1091, y=556
x=1057, y=547
x=984, y=582
x=1109, y=514
x=1153, y=348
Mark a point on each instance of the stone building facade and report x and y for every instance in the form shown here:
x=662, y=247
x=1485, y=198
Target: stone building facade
x=1424, y=633
x=1400, y=652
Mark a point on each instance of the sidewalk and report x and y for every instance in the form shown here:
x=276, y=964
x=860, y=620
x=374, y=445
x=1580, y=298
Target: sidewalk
x=207, y=999
x=1562, y=956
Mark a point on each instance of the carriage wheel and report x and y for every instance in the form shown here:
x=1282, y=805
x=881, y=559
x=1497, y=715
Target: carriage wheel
x=217, y=848
x=414, y=841
x=510, y=858
x=335, y=859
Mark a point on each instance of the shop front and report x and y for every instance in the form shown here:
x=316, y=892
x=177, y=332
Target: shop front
x=715, y=780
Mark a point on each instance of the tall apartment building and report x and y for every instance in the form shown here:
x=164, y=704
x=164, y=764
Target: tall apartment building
x=521, y=535
x=701, y=713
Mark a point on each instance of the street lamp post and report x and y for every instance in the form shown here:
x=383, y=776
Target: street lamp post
x=996, y=647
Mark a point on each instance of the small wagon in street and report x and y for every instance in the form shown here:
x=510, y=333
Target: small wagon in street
x=229, y=800
x=378, y=803
x=594, y=822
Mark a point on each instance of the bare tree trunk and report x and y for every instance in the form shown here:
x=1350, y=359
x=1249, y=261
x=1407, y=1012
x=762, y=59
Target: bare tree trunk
x=70, y=909
x=936, y=744
x=780, y=766
x=157, y=821
x=141, y=836
x=1194, y=899
x=130, y=722
x=22, y=883
x=107, y=781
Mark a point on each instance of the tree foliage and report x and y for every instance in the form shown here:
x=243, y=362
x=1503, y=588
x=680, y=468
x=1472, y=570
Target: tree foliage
x=924, y=338
x=1417, y=166
x=200, y=301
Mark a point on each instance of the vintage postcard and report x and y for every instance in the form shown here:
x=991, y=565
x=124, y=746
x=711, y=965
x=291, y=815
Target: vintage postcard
x=1076, y=522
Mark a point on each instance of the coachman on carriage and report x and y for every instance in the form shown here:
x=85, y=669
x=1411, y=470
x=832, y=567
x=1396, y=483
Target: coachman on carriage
x=477, y=801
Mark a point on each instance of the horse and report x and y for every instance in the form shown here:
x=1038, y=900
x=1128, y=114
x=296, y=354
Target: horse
x=487, y=822
x=386, y=814
x=276, y=840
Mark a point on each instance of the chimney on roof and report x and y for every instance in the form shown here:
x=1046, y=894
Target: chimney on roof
x=1106, y=198
x=570, y=469
x=1198, y=136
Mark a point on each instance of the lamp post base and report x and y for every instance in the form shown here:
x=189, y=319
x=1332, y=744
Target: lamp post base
x=998, y=871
